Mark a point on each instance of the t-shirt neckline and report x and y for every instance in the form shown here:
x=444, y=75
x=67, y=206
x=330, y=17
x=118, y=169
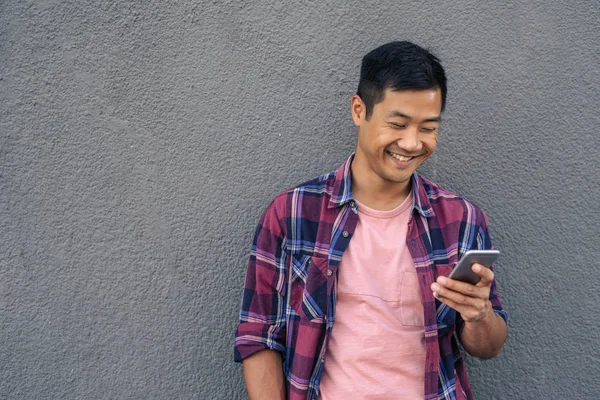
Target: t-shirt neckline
x=371, y=212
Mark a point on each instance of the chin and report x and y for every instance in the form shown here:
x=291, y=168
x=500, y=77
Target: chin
x=394, y=178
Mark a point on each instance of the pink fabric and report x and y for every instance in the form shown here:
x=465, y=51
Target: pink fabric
x=377, y=348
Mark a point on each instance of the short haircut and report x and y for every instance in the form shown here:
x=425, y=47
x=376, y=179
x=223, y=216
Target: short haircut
x=399, y=66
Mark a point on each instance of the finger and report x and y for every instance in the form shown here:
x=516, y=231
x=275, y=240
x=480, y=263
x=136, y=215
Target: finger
x=448, y=302
x=468, y=314
x=463, y=310
x=453, y=296
x=464, y=287
x=486, y=274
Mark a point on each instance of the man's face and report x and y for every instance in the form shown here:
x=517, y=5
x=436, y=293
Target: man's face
x=400, y=134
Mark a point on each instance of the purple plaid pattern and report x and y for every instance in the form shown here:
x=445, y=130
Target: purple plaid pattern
x=289, y=295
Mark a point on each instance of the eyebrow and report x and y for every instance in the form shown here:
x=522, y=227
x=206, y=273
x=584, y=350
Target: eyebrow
x=401, y=115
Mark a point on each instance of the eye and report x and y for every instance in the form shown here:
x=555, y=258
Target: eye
x=398, y=126
x=428, y=129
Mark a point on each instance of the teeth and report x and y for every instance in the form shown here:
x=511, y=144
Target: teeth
x=399, y=157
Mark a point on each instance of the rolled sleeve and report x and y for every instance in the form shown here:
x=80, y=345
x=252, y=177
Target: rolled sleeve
x=483, y=241
x=262, y=314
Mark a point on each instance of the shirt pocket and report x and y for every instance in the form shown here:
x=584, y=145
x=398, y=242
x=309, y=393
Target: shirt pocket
x=446, y=316
x=411, y=305
x=309, y=287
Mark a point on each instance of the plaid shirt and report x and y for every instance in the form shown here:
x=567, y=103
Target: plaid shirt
x=289, y=294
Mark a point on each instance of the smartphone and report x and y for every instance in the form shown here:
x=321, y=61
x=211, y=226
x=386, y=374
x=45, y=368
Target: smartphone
x=463, y=272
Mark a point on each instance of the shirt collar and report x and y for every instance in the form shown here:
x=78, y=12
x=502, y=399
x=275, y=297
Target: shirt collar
x=341, y=192
x=421, y=199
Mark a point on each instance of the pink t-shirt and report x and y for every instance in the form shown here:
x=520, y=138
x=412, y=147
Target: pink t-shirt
x=377, y=348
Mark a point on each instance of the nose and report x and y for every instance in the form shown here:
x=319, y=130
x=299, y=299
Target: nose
x=409, y=141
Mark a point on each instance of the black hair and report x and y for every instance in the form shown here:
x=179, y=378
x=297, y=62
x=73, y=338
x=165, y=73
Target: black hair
x=399, y=66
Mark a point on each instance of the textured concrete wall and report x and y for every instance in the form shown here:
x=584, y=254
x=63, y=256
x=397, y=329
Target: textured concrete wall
x=140, y=141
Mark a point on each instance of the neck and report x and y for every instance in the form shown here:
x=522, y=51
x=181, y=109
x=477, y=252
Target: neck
x=375, y=192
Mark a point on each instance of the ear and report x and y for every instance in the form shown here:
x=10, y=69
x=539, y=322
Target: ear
x=358, y=110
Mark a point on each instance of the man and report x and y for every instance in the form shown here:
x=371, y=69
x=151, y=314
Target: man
x=346, y=293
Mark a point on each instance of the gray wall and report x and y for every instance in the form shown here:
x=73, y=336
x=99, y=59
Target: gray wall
x=140, y=141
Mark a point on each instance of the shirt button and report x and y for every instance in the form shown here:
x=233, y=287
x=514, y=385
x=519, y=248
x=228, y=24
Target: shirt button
x=329, y=272
x=345, y=234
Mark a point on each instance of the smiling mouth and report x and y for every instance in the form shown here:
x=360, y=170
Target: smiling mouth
x=399, y=157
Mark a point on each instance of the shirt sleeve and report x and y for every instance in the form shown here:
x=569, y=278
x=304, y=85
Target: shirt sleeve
x=262, y=314
x=483, y=241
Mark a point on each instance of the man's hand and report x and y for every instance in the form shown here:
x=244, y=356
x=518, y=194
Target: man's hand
x=484, y=332
x=471, y=301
